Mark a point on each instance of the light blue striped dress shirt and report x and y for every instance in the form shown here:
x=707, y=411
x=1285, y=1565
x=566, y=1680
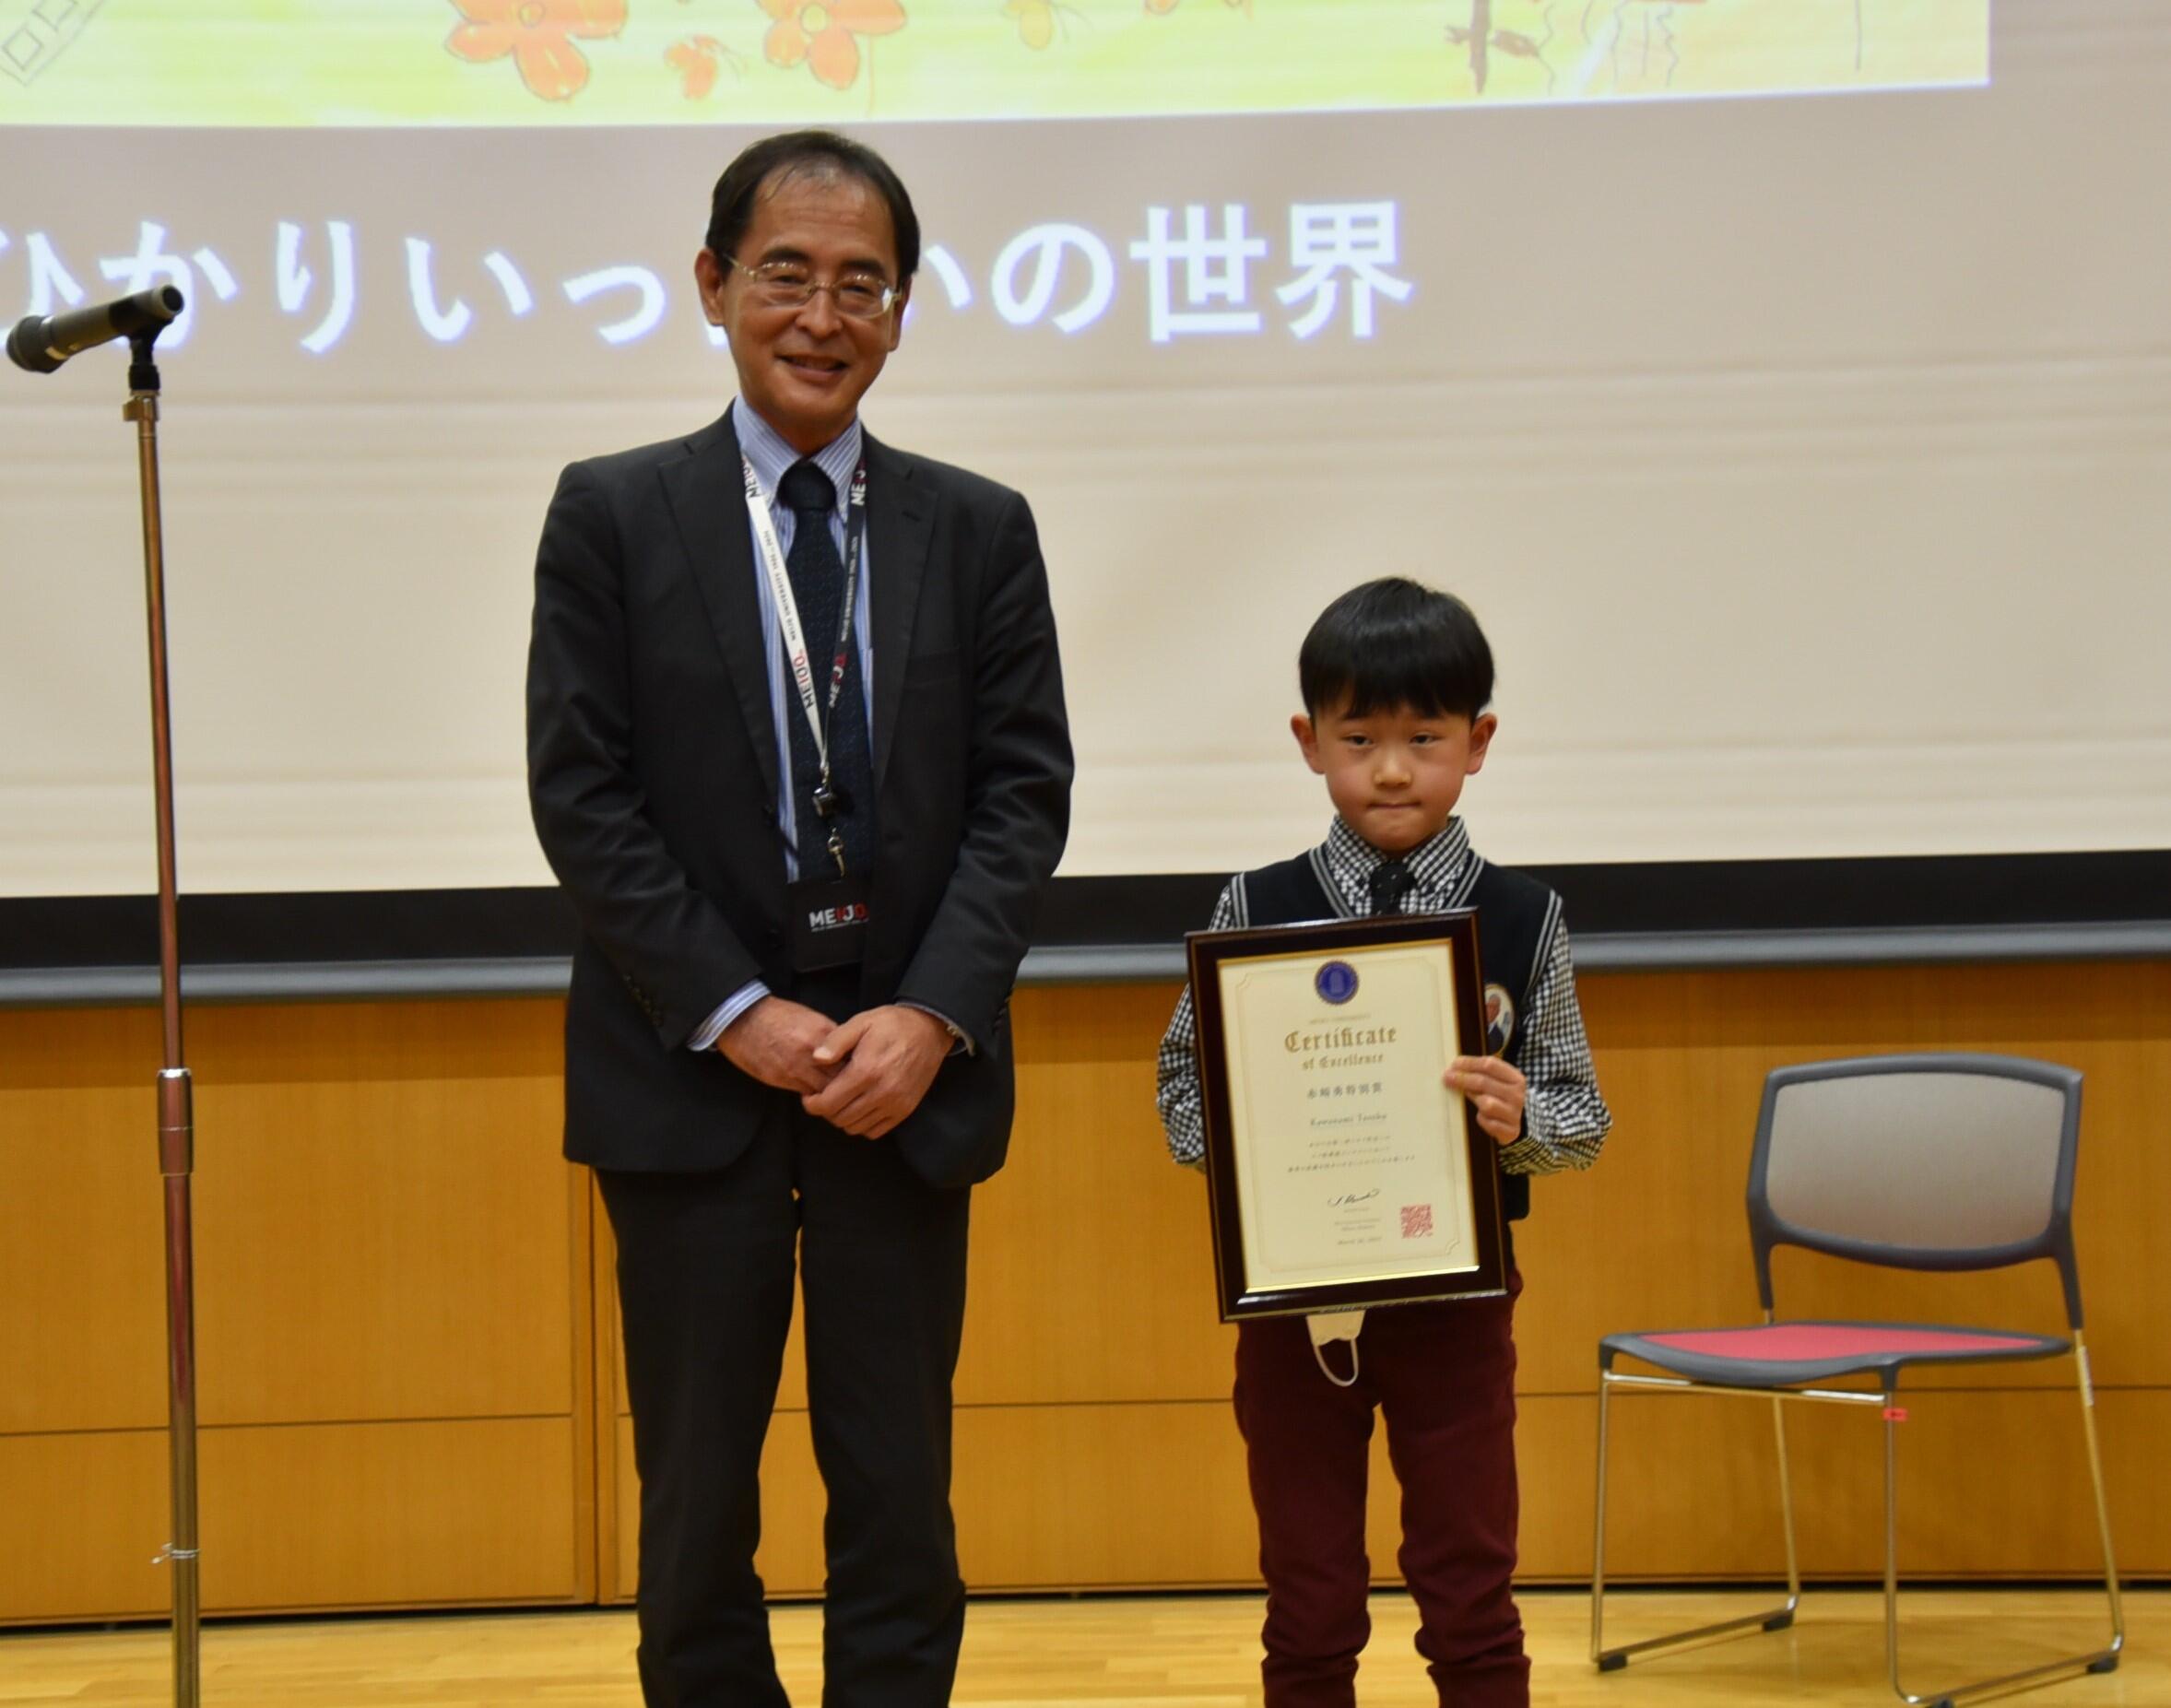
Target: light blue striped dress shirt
x=765, y=449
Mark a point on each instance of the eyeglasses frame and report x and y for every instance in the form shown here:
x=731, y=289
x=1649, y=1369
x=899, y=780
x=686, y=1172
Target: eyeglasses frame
x=814, y=286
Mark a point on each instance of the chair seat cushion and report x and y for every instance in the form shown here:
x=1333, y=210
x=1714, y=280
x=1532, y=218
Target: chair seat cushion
x=1773, y=1355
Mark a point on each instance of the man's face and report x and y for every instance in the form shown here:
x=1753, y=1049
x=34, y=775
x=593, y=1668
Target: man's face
x=1394, y=775
x=804, y=369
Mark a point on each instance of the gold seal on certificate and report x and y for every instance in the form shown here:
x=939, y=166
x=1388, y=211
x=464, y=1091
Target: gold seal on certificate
x=1344, y=1171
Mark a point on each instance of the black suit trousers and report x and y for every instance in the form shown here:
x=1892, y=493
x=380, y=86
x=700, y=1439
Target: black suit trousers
x=705, y=1266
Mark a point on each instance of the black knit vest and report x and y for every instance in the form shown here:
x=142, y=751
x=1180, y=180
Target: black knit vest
x=1517, y=915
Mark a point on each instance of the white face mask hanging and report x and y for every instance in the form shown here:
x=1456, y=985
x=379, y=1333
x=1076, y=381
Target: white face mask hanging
x=1328, y=1325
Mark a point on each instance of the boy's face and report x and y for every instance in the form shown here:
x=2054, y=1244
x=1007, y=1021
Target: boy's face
x=1394, y=775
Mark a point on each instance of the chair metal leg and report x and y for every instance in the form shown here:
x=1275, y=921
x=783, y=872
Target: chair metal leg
x=2108, y=1660
x=1771, y=1618
x=1891, y=1553
x=1598, y=1541
x=1785, y=1616
x=2099, y=1660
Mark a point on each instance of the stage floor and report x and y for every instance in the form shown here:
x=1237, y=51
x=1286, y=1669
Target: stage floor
x=1161, y=1652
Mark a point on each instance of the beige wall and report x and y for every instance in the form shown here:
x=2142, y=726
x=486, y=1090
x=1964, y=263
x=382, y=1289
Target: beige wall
x=409, y=1376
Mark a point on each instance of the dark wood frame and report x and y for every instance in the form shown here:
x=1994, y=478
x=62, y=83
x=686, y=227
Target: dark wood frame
x=1457, y=935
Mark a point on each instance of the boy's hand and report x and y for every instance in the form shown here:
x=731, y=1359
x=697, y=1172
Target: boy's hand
x=1495, y=1089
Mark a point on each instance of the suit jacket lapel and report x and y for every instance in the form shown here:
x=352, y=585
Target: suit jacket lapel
x=900, y=522
x=706, y=492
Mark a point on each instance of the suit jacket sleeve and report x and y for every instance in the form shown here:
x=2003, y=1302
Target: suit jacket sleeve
x=1018, y=811
x=670, y=944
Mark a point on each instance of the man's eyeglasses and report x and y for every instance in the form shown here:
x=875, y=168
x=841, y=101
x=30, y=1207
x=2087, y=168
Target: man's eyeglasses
x=792, y=285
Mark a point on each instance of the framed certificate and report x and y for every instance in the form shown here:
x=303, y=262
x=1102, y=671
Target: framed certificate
x=1343, y=1172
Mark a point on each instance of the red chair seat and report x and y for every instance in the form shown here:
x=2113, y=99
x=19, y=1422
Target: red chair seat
x=1786, y=1354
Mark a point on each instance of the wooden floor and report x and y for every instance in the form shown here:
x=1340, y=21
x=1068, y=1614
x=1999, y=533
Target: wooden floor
x=1171, y=1652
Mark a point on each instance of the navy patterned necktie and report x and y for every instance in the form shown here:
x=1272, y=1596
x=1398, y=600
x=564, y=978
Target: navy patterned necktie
x=817, y=586
x=1388, y=884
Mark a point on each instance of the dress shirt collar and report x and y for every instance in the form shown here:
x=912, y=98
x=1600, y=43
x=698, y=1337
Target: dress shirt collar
x=767, y=451
x=1445, y=866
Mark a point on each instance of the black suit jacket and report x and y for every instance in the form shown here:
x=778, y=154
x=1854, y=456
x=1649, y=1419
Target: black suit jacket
x=653, y=777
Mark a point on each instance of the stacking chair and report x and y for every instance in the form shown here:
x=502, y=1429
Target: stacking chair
x=1949, y=1162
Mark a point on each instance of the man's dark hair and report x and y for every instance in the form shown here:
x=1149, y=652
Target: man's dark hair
x=1391, y=645
x=731, y=209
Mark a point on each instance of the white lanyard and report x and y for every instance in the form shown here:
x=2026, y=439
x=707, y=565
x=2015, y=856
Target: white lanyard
x=787, y=612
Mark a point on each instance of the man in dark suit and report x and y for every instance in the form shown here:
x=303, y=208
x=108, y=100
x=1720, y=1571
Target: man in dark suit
x=798, y=755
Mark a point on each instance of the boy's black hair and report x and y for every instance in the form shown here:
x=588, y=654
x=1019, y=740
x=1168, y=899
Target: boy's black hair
x=731, y=209
x=1394, y=644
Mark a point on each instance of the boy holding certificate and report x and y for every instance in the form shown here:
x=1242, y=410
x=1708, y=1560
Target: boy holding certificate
x=1396, y=678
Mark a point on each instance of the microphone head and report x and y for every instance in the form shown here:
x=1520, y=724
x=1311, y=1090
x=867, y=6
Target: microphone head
x=158, y=306
x=26, y=345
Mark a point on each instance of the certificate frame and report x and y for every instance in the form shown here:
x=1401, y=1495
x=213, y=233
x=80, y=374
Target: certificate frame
x=1238, y=1138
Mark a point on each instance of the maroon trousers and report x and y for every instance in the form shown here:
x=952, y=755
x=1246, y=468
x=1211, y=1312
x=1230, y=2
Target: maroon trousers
x=1443, y=1376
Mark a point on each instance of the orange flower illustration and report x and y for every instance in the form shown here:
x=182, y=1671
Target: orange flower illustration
x=1038, y=20
x=539, y=35
x=824, y=33
x=697, y=59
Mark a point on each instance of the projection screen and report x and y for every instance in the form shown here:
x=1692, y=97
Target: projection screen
x=1787, y=387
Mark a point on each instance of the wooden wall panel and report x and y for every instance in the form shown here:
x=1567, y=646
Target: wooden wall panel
x=338, y=1515
x=81, y=1517
x=1090, y=1306
x=1992, y=1484
x=386, y=1247
x=1682, y=1057
x=618, y=1531
x=1092, y=1497
x=1092, y=1267
x=388, y=1242
x=382, y=1514
x=82, y=1324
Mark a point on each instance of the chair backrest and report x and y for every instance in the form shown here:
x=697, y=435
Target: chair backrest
x=1931, y=1161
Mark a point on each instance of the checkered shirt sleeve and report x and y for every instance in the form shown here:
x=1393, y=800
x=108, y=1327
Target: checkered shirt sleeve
x=1176, y=1086
x=1564, y=1119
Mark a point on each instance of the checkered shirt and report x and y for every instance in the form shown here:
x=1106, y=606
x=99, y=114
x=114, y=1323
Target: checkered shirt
x=1564, y=1119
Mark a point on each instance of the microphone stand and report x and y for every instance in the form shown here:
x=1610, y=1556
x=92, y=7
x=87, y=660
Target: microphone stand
x=176, y=1101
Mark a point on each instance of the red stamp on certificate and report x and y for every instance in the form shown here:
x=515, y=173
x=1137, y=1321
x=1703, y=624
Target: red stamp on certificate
x=1417, y=1220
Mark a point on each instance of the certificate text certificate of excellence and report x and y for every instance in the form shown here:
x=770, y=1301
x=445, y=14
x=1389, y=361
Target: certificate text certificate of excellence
x=1352, y=1153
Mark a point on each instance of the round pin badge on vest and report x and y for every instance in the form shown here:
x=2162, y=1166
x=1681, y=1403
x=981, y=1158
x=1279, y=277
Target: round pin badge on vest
x=1500, y=1019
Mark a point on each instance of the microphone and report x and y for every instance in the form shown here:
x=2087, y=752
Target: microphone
x=40, y=343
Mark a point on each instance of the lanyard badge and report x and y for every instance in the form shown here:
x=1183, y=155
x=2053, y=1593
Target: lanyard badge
x=828, y=922
x=829, y=799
